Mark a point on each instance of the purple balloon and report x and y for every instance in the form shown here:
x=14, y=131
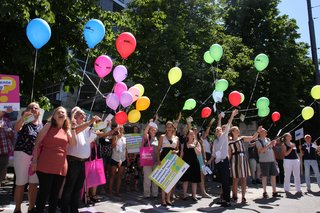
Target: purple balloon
x=112, y=101
x=126, y=99
x=120, y=73
x=119, y=88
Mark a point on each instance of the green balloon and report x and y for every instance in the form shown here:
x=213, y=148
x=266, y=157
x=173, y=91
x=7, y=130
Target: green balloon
x=315, y=92
x=262, y=102
x=261, y=62
x=216, y=52
x=242, y=97
x=221, y=85
x=189, y=104
x=263, y=112
x=207, y=57
x=307, y=113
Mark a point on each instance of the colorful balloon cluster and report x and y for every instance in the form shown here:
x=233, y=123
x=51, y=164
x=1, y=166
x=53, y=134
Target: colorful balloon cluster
x=263, y=106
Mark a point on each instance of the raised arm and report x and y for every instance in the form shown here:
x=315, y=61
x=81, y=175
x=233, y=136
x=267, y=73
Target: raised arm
x=83, y=126
x=253, y=137
x=176, y=123
x=20, y=122
x=233, y=114
x=206, y=133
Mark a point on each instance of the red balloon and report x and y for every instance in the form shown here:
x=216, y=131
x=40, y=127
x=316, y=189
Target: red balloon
x=206, y=112
x=126, y=44
x=235, y=98
x=121, y=117
x=275, y=116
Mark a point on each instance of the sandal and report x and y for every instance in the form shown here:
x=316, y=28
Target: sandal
x=244, y=200
x=265, y=195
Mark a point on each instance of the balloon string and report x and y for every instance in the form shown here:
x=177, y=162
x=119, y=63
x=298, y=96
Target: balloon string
x=217, y=69
x=297, y=126
x=94, y=84
x=34, y=73
x=254, y=87
x=94, y=99
x=296, y=117
x=213, y=74
x=201, y=105
x=241, y=110
x=163, y=99
x=270, y=127
x=84, y=70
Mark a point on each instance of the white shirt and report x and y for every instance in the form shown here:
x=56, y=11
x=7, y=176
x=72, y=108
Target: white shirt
x=82, y=148
x=207, y=146
x=220, y=146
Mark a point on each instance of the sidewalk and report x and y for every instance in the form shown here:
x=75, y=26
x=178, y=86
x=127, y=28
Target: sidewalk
x=134, y=202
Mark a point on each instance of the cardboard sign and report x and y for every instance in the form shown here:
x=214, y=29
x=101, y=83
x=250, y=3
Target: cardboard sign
x=298, y=134
x=9, y=92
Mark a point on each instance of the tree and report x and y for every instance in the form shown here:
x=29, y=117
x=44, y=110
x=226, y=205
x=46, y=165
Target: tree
x=177, y=33
x=288, y=79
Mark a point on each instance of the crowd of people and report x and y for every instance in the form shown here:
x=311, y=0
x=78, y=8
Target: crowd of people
x=51, y=158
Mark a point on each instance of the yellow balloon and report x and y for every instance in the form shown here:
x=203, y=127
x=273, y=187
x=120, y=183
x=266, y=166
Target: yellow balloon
x=315, y=92
x=307, y=113
x=134, y=116
x=142, y=103
x=141, y=88
x=174, y=75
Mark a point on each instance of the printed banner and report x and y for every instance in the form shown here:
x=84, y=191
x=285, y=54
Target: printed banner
x=134, y=142
x=169, y=172
x=9, y=92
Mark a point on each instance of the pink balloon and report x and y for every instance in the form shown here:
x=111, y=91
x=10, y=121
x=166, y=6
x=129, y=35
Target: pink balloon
x=120, y=73
x=126, y=99
x=119, y=88
x=135, y=92
x=112, y=101
x=103, y=65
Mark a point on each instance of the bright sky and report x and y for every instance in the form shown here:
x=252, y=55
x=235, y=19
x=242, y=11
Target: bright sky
x=297, y=9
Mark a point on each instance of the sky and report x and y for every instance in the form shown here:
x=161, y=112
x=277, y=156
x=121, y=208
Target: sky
x=297, y=9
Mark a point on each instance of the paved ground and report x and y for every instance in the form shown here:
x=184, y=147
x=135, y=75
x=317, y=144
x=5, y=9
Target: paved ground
x=133, y=202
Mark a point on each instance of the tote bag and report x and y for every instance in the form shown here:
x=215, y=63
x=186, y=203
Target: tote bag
x=146, y=154
x=94, y=170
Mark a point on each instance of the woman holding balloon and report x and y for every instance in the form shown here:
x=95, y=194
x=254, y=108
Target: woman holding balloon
x=167, y=142
x=238, y=161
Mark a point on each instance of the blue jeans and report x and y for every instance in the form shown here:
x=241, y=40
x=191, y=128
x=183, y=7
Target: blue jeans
x=72, y=187
x=315, y=167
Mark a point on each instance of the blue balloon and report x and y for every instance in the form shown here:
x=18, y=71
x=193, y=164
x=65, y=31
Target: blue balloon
x=38, y=32
x=94, y=32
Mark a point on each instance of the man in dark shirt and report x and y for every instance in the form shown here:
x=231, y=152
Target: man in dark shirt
x=310, y=160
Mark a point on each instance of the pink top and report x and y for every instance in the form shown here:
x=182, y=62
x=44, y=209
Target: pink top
x=52, y=158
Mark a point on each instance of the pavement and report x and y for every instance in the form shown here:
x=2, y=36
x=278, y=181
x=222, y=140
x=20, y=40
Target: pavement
x=134, y=202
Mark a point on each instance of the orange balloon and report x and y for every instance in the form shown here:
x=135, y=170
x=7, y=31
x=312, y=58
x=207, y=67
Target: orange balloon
x=142, y=103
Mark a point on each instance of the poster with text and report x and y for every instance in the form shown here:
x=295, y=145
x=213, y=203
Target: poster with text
x=9, y=92
x=169, y=172
x=134, y=142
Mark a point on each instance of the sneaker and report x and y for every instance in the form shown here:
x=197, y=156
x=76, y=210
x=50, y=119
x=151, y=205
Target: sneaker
x=265, y=195
x=275, y=194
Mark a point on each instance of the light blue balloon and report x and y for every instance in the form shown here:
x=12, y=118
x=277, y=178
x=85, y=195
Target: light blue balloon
x=94, y=32
x=217, y=96
x=38, y=32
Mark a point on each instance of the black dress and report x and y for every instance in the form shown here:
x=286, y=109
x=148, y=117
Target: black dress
x=193, y=172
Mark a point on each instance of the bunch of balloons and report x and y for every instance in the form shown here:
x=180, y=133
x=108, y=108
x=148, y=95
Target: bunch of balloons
x=213, y=54
x=261, y=62
x=263, y=106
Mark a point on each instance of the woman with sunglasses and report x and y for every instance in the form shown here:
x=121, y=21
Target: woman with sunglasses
x=167, y=142
x=28, y=128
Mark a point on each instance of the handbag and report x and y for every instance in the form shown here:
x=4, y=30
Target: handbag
x=94, y=171
x=146, y=154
